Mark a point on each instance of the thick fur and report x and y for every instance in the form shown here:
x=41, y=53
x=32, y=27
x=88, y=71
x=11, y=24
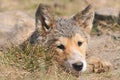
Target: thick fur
x=68, y=37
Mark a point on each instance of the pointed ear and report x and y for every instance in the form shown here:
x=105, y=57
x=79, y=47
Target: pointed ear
x=85, y=18
x=44, y=18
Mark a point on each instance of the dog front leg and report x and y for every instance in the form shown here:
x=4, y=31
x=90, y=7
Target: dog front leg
x=97, y=65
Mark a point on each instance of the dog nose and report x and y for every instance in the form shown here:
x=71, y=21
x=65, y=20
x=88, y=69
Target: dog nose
x=78, y=66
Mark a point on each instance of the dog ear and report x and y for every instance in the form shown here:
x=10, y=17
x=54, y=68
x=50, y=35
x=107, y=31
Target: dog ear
x=85, y=18
x=44, y=18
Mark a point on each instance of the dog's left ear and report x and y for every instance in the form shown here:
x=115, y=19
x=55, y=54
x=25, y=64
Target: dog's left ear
x=44, y=18
x=85, y=18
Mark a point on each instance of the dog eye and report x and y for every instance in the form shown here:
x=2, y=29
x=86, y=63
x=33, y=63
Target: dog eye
x=79, y=43
x=61, y=47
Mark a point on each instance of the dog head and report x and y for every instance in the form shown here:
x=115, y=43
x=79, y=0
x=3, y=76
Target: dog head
x=68, y=37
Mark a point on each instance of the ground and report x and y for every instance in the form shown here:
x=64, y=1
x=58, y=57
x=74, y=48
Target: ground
x=33, y=64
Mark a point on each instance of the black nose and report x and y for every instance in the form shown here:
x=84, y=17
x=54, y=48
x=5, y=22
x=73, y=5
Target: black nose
x=78, y=66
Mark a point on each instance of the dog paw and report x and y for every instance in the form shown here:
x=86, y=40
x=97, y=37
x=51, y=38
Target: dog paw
x=96, y=65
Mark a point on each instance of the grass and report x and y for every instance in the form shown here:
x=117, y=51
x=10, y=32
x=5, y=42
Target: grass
x=106, y=28
x=36, y=61
x=28, y=58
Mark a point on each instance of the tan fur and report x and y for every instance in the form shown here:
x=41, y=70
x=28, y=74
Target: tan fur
x=69, y=43
x=97, y=65
x=63, y=36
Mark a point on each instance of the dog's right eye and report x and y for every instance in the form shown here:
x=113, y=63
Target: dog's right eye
x=61, y=47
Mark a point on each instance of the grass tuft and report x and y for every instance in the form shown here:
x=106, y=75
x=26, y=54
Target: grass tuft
x=37, y=61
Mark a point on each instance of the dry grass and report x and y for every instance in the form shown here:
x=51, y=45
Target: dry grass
x=33, y=63
x=36, y=63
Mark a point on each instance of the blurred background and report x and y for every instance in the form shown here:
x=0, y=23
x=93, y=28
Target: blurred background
x=60, y=7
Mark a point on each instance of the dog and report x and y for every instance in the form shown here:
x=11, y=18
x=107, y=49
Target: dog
x=68, y=38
